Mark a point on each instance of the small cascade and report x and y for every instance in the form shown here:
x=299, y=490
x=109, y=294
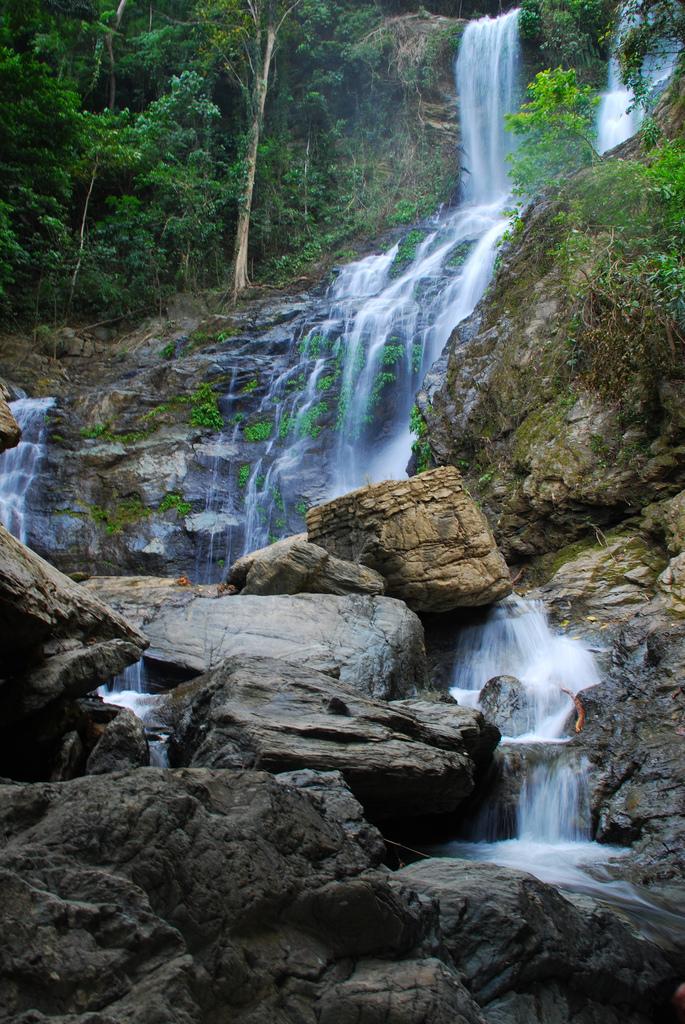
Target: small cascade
x=619, y=115
x=19, y=466
x=134, y=690
x=515, y=640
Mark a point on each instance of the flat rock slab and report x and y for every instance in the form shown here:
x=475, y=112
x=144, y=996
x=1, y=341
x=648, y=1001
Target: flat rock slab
x=194, y=896
x=294, y=566
x=530, y=956
x=259, y=712
x=374, y=644
x=425, y=536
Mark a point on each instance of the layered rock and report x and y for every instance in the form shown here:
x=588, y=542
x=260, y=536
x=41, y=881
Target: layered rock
x=122, y=745
x=293, y=566
x=197, y=896
x=398, y=759
x=10, y=431
x=374, y=644
x=425, y=536
x=529, y=955
x=58, y=642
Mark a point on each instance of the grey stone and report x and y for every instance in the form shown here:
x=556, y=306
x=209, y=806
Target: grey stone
x=374, y=644
x=195, y=896
x=259, y=712
x=523, y=948
x=504, y=701
x=122, y=745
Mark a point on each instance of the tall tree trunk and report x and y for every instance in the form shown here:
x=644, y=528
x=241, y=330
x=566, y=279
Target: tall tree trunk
x=242, y=237
x=109, y=41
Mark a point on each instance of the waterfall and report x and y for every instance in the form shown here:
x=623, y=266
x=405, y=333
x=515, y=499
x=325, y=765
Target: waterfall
x=19, y=466
x=618, y=114
x=394, y=313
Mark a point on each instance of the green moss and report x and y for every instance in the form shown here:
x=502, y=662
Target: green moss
x=325, y=383
x=307, y=425
x=176, y=502
x=205, y=408
x=249, y=387
x=125, y=513
x=244, y=475
x=256, y=432
x=301, y=508
x=169, y=350
x=406, y=252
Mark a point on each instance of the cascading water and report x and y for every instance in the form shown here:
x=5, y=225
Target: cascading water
x=392, y=314
x=19, y=466
x=618, y=115
x=551, y=832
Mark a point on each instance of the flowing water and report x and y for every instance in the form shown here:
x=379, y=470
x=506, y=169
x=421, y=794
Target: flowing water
x=618, y=115
x=19, y=466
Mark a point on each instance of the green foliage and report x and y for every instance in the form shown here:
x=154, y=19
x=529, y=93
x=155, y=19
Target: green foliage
x=325, y=383
x=307, y=425
x=380, y=383
x=249, y=387
x=169, y=350
x=127, y=512
x=625, y=241
x=177, y=503
x=420, y=447
x=205, y=409
x=244, y=475
x=301, y=508
x=650, y=29
x=406, y=251
x=392, y=354
x=556, y=131
x=258, y=431
x=569, y=34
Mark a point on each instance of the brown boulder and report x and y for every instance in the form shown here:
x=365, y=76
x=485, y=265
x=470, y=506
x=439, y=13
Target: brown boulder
x=425, y=536
x=10, y=431
x=294, y=566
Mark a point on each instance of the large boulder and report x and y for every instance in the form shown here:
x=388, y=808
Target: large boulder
x=374, y=644
x=259, y=712
x=529, y=955
x=10, y=431
x=122, y=744
x=58, y=642
x=194, y=897
x=425, y=536
x=504, y=700
x=293, y=566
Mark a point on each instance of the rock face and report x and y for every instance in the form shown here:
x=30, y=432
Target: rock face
x=545, y=455
x=425, y=536
x=258, y=712
x=635, y=739
x=10, y=432
x=374, y=644
x=194, y=897
x=58, y=642
x=504, y=701
x=123, y=745
x=293, y=566
x=528, y=955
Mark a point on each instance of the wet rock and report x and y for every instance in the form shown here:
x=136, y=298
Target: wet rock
x=58, y=640
x=293, y=566
x=454, y=727
x=425, y=536
x=196, y=896
x=122, y=745
x=259, y=712
x=504, y=701
x=543, y=454
x=529, y=955
x=635, y=739
x=10, y=432
x=374, y=644
x=70, y=758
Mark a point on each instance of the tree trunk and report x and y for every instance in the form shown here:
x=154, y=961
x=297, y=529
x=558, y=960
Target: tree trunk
x=242, y=237
x=109, y=41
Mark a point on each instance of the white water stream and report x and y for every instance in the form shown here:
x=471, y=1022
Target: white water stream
x=618, y=115
x=19, y=466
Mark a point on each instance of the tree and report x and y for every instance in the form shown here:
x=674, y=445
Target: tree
x=556, y=128
x=243, y=33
